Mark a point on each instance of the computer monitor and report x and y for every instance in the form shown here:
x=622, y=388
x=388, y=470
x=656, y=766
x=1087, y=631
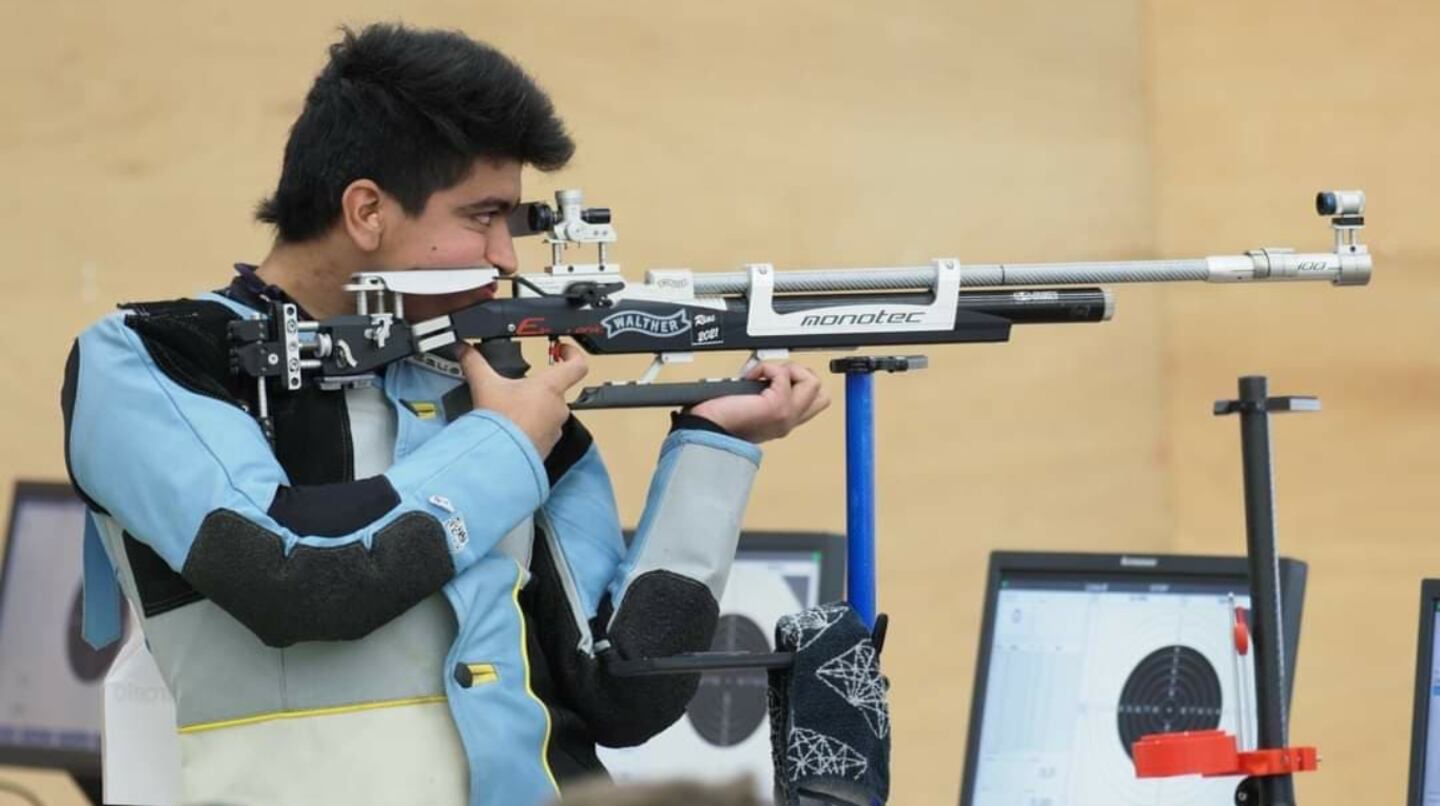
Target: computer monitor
x=1082, y=654
x=50, y=679
x=726, y=728
x=1425, y=731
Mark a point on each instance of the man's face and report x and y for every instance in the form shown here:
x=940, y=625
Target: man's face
x=463, y=226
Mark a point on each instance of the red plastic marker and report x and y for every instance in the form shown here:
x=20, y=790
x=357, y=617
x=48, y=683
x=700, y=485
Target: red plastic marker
x=1213, y=753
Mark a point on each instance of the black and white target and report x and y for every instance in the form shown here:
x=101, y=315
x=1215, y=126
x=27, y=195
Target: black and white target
x=1172, y=689
x=730, y=705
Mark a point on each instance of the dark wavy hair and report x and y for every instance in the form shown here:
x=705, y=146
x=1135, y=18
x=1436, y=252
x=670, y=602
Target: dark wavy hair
x=412, y=110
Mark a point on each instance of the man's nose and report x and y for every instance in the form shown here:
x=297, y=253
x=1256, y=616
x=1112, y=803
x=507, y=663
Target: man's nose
x=500, y=248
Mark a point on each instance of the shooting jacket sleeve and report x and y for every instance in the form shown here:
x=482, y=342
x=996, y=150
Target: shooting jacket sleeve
x=656, y=598
x=191, y=476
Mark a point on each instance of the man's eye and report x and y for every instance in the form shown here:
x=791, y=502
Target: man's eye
x=482, y=218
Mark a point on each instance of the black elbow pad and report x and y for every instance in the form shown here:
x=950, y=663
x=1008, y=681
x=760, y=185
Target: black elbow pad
x=664, y=614
x=316, y=594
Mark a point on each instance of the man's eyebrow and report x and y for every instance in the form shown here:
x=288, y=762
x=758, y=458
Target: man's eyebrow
x=489, y=203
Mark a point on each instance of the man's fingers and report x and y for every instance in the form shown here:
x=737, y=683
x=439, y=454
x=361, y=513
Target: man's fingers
x=474, y=365
x=810, y=395
x=819, y=404
x=806, y=387
x=568, y=371
x=568, y=351
x=779, y=378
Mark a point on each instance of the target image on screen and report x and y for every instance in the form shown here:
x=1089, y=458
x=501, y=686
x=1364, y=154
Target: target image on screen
x=1080, y=666
x=1173, y=689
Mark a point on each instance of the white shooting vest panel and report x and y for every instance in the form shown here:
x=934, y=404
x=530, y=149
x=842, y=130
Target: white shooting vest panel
x=344, y=722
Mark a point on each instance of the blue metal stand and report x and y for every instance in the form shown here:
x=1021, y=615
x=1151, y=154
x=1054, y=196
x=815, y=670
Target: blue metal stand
x=860, y=494
x=859, y=374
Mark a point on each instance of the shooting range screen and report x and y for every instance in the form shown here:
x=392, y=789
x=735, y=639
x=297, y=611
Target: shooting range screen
x=1081, y=667
x=1431, y=788
x=800, y=571
x=50, y=679
x=726, y=728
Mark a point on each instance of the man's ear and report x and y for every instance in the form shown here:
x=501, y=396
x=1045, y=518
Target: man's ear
x=360, y=213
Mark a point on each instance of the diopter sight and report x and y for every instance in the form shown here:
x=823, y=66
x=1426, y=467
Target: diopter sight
x=569, y=223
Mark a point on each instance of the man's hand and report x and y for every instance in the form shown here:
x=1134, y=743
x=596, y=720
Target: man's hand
x=537, y=403
x=793, y=397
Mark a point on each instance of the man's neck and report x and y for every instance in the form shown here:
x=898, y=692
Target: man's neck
x=313, y=273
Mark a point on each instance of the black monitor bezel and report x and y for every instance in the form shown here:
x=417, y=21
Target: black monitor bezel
x=1292, y=588
x=80, y=763
x=1424, y=656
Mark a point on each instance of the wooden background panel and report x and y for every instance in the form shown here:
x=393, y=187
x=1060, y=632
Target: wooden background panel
x=1291, y=98
x=51, y=787
x=805, y=134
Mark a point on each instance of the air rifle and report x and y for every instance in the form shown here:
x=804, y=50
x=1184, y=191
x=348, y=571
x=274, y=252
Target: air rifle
x=677, y=313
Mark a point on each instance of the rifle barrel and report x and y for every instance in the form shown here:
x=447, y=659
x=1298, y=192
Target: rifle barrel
x=1266, y=264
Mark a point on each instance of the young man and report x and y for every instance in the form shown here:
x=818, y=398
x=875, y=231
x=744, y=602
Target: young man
x=384, y=608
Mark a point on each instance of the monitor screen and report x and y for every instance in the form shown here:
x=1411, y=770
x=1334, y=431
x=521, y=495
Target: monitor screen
x=50, y=679
x=1425, y=736
x=800, y=568
x=1082, y=663
x=1431, y=788
x=726, y=729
